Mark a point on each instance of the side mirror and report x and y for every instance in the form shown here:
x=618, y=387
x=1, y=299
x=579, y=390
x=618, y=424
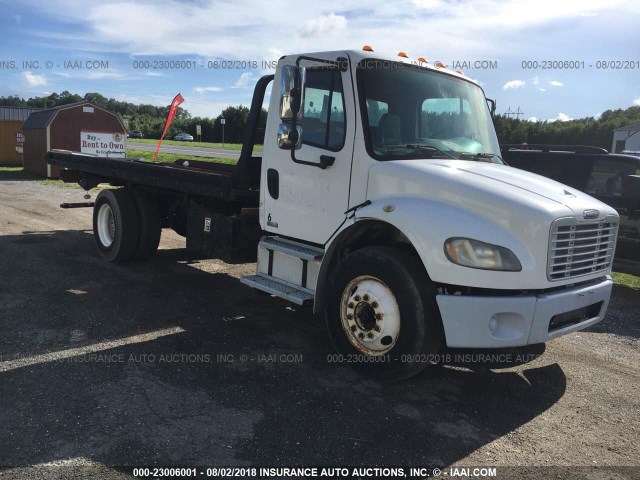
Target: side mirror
x=492, y=106
x=289, y=138
x=295, y=101
x=297, y=94
x=287, y=84
x=291, y=87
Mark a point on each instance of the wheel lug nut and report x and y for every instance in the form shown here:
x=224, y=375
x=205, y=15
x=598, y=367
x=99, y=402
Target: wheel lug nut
x=374, y=304
x=378, y=316
x=350, y=305
x=353, y=328
x=361, y=335
x=365, y=298
x=349, y=316
x=377, y=328
x=357, y=298
x=369, y=335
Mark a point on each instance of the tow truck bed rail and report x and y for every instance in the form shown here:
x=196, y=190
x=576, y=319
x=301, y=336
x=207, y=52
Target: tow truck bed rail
x=204, y=179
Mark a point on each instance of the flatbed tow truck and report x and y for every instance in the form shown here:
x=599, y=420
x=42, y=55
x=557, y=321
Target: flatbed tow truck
x=382, y=200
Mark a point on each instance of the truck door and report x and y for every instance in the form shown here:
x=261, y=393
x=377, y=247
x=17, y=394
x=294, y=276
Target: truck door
x=305, y=195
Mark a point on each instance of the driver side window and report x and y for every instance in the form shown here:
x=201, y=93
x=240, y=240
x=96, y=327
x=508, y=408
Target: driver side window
x=323, y=121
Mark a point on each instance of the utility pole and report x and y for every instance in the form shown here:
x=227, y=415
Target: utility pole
x=519, y=112
x=222, y=122
x=515, y=113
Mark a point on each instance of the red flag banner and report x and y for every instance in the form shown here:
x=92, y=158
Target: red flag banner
x=175, y=103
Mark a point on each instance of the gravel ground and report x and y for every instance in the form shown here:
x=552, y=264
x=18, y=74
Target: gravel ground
x=117, y=365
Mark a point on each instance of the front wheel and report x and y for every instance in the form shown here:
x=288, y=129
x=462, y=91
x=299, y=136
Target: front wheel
x=381, y=312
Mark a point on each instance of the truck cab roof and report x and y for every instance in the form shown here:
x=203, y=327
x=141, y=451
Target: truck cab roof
x=356, y=56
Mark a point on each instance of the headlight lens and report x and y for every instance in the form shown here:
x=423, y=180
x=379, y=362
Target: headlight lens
x=476, y=254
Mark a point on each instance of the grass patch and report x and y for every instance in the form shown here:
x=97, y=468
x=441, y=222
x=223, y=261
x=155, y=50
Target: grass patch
x=626, y=280
x=19, y=174
x=172, y=157
x=227, y=146
x=16, y=174
x=55, y=182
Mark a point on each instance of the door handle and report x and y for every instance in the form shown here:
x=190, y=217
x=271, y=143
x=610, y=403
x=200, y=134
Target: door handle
x=273, y=183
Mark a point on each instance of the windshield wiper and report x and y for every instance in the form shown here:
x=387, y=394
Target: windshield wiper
x=480, y=157
x=428, y=148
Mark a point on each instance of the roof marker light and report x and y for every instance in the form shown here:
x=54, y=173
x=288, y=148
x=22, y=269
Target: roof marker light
x=367, y=48
x=403, y=55
x=460, y=72
x=440, y=65
x=422, y=60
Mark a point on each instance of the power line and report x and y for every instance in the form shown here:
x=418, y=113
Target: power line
x=515, y=113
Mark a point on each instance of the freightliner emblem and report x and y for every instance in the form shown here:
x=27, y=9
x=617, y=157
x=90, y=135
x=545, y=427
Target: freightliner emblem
x=589, y=214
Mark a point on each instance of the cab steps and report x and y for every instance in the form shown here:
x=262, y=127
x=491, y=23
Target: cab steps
x=286, y=269
x=279, y=288
x=295, y=249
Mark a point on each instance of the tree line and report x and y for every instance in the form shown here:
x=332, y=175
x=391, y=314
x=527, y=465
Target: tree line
x=150, y=119
x=583, y=131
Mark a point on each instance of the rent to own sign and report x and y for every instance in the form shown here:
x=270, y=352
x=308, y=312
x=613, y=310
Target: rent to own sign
x=103, y=144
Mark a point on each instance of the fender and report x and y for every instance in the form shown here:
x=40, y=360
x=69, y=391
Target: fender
x=338, y=239
x=427, y=224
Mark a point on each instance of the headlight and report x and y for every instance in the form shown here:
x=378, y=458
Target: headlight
x=476, y=254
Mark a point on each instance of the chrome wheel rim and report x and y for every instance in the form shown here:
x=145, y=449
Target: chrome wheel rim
x=106, y=225
x=370, y=315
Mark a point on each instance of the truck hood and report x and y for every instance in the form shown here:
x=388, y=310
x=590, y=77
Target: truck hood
x=488, y=188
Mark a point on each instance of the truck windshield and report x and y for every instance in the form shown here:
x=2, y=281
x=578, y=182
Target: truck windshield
x=411, y=112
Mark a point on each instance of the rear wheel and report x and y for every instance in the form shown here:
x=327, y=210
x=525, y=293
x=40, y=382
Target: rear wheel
x=150, y=226
x=382, y=313
x=115, y=225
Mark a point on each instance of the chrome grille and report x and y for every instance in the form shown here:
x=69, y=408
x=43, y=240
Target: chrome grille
x=583, y=248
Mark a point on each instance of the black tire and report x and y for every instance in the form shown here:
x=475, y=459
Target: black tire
x=125, y=226
x=420, y=332
x=150, y=226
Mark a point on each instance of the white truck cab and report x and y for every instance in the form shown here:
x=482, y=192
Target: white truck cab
x=385, y=203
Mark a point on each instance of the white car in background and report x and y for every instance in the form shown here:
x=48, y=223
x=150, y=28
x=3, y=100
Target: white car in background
x=184, y=137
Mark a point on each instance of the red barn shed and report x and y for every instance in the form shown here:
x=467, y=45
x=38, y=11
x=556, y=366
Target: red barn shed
x=11, y=138
x=78, y=127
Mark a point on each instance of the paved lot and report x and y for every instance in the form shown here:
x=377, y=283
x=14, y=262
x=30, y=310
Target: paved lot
x=179, y=150
x=106, y=365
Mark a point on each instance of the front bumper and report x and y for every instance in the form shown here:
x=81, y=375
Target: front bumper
x=512, y=321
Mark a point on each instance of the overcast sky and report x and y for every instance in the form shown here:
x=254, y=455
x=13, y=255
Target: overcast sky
x=62, y=35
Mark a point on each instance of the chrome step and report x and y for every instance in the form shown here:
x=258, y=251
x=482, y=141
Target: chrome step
x=278, y=244
x=280, y=288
